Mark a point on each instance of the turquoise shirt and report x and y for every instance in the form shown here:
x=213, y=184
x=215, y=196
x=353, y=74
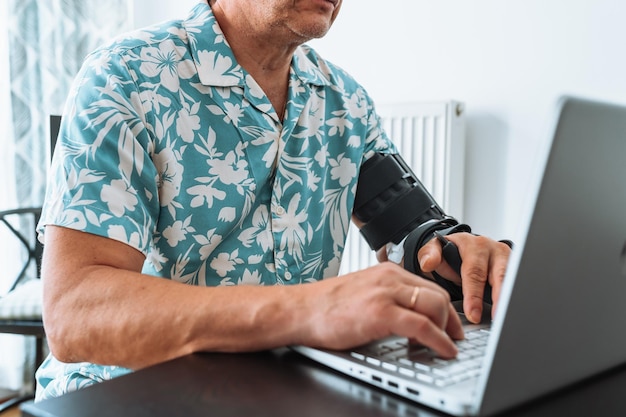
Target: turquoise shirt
x=169, y=146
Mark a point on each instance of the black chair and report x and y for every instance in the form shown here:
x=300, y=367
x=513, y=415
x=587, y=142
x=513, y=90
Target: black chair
x=20, y=308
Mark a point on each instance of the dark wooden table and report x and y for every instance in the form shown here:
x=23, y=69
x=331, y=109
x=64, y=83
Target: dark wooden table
x=282, y=383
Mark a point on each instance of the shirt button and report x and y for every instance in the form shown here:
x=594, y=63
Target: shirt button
x=287, y=275
x=280, y=210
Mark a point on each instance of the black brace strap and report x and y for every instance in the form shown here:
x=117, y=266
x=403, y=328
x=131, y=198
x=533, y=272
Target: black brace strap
x=395, y=220
x=422, y=234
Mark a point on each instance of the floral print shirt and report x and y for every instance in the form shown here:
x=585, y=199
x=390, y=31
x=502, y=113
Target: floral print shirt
x=168, y=145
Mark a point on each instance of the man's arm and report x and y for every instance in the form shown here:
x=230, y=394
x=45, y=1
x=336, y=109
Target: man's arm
x=99, y=308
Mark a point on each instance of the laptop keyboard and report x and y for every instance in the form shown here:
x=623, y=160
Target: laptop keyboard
x=417, y=361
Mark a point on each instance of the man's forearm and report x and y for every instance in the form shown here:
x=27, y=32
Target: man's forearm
x=127, y=319
x=99, y=308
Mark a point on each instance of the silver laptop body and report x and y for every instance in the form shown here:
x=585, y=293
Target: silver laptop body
x=561, y=308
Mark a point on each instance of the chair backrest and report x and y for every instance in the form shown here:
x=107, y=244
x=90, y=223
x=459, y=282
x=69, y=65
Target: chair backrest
x=55, y=125
x=16, y=221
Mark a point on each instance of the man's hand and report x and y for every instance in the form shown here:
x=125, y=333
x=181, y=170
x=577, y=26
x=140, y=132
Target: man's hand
x=484, y=261
x=377, y=302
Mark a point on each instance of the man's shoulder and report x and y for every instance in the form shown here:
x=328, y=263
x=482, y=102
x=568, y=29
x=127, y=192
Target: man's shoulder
x=156, y=36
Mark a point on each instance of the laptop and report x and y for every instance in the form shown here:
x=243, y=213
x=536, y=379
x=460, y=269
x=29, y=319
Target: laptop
x=561, y=308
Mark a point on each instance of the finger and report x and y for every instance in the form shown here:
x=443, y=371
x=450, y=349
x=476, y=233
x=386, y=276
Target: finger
x=431, y=259
x=497, y=273
x=454, y=326
x=429, y=303
x=475, y=271
x=420, y=328
x=437, y=308
x=473, y=301
x=429, y=256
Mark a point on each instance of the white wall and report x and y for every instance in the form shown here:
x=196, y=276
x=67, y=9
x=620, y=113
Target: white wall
x=147, y=12
x=508, y=60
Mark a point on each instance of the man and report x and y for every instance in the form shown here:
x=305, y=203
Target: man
x=217, y=151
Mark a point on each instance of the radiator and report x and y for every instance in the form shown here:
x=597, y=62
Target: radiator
x=431, y=139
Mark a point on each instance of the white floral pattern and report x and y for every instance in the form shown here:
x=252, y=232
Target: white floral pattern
x=169, y=146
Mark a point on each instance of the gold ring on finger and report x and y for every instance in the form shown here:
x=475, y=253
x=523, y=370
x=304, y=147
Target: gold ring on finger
x=415, y=296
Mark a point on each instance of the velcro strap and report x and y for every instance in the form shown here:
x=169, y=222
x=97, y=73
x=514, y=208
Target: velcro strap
x=371, y=183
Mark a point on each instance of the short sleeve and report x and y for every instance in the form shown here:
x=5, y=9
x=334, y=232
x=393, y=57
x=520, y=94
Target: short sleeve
x=102, y=179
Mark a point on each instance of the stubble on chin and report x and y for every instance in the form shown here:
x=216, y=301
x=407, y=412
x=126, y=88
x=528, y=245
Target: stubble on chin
x=301, y=25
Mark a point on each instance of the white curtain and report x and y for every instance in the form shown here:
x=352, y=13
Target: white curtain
x=42, y=45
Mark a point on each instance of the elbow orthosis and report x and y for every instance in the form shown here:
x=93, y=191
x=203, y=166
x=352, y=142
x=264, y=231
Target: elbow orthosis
x=394, y=206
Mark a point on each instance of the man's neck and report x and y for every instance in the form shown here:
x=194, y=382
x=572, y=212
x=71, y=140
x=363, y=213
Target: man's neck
x=263, y=56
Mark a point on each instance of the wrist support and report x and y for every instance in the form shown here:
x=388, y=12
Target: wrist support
x=393, y=205
x=391, y=201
